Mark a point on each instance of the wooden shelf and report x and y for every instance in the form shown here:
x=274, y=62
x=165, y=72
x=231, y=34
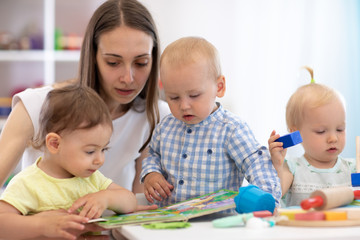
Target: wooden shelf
x=67, y=56
x=21, y=55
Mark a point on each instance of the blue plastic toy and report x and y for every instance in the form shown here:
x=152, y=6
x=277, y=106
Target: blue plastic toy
x=251, y=199
x=290, y=139
x=355, y=179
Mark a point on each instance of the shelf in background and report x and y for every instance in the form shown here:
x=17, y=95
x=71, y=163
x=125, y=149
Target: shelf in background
x=39, y=55
x=49, y=19
x=67, y=55
x=21, y=55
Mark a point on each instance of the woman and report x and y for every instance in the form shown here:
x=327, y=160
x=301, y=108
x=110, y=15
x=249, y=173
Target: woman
x=119, y=60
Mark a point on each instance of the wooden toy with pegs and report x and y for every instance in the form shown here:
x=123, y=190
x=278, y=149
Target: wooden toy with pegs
x=325, y=209
x=330, y=198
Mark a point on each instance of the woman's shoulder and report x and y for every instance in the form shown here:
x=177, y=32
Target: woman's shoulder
x=32, y=99
x=38, y=93
x=31, y=95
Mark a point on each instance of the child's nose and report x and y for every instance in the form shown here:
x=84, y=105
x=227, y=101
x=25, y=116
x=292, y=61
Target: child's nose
x=99, y=160
x=184, y=104
x=333, y=137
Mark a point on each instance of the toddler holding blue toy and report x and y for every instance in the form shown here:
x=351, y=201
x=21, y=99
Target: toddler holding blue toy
x=201, y=147
x=318, y=113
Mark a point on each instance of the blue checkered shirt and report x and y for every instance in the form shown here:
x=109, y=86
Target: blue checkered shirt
x=217, y=153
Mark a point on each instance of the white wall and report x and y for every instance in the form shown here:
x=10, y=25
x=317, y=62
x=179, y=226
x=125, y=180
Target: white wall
x=263, y=44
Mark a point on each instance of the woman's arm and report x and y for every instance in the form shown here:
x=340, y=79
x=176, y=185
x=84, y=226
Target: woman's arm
x=138, y=187
x=52, y=224
x=15, y=136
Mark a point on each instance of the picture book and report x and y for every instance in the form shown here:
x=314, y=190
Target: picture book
x=182, y=211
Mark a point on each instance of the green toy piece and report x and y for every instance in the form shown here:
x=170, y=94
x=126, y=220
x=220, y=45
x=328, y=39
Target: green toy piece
x=167, y=225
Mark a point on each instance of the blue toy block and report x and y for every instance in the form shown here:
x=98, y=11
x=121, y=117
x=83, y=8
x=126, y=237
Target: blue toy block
x=355, y=179
x=251, y=199
x=290, y=139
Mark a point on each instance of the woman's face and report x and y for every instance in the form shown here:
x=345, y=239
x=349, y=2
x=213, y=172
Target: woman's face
x=124, y=62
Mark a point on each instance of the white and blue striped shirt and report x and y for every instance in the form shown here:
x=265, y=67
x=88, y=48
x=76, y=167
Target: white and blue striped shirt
x=217, y=153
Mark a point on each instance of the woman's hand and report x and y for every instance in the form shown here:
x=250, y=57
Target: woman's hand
x=60, y=224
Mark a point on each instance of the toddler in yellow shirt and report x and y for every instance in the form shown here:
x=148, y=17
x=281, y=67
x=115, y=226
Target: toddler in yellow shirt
x=75, y=129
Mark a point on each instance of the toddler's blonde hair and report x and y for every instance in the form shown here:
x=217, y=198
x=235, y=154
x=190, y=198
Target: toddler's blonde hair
x=188, y=50
x=311, y=95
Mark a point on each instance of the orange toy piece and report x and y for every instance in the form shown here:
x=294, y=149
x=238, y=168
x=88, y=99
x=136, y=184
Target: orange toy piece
x=335, y=216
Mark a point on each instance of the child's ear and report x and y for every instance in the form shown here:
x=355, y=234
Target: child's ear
x=221, y=86
x=52, y=142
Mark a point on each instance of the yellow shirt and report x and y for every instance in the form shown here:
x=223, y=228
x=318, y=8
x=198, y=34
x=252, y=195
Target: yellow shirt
x=33, y=191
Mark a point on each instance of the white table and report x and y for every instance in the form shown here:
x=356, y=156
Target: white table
x=201, y=228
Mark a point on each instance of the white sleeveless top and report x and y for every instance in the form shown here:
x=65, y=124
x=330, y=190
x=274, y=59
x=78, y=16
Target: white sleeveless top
x=130, y=133
x=308, y=178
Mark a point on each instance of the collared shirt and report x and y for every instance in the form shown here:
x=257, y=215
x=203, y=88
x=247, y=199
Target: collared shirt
x=217, y=153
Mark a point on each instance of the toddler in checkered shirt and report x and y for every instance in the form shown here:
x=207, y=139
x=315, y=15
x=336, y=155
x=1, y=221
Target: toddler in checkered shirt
x=201, y=147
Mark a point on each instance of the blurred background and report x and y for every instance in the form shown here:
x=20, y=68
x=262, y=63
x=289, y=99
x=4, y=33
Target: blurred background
x=262, y=43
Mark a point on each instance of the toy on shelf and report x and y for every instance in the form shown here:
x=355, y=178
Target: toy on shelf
x=355, y=177
x=252, y=199
x=5, y=107
x=290, y=139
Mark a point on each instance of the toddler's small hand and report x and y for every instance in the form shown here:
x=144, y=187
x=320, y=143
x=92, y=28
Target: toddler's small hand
x=156, y=187
x=277, y=152
x=93, y=205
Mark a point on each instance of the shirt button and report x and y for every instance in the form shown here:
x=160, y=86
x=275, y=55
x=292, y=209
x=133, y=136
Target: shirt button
x=181, y=182
x=209, y=151
x=189, y=130
x=184, y=155
x=260, y=152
